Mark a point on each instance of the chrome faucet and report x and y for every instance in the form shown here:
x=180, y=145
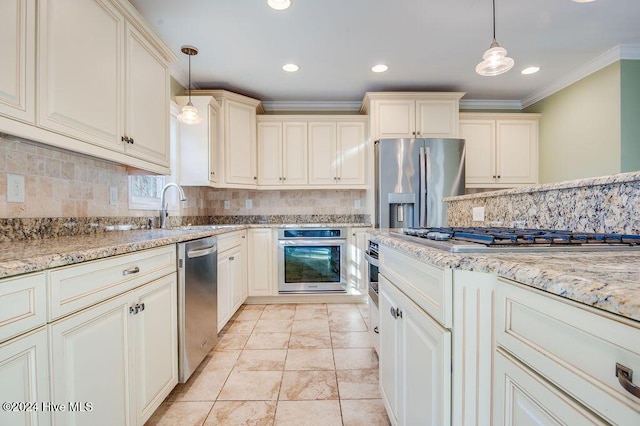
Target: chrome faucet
x=163, y=206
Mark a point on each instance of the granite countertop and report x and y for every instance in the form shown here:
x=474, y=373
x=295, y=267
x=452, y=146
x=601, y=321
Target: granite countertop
x=604, y=280
x=24, y=256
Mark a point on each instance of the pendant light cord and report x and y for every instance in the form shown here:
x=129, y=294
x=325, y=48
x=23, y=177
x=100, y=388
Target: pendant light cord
x=494, y=20
x=190, y=66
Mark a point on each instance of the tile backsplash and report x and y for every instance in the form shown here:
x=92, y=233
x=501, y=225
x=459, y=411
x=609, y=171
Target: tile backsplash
x=60, y=183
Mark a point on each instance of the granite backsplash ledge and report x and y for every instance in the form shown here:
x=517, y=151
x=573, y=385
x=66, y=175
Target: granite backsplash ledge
x=603, y=204
x=14, y=229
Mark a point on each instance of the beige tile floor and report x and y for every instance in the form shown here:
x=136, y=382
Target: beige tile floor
x=294, y=364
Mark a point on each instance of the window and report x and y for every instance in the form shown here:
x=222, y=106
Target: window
x=145, y=192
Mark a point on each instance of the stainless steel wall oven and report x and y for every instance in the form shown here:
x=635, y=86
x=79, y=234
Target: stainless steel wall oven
x=312, y=260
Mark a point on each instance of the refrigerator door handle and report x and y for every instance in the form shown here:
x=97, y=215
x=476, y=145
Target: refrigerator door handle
x=422, y=195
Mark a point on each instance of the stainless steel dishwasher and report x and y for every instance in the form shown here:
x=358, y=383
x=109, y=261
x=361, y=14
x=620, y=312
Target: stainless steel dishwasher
x=197, y=303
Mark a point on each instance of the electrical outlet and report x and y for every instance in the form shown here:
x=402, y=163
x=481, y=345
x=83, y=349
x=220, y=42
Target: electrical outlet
x=478, y=214
x=357, y=205
x=15, y=188
x=113, y=195
x=248, y=204
x=227, y=204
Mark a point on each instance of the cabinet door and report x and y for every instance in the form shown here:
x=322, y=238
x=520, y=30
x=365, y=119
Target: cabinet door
x=270, y=154
x=18, y=47
x=351, y=154
x=294, y=153
x=517, y=149
x=155, y=345
x=389, y=352
x=81, y=70
x=261, y=262
x=224, y=289
x=24, y=377
x=358, y=271
x=91, y=363
x=322, y=154
x=147, y=101
x=437, y=119
x=240, y=143
x=425, y=395
x=214, y=145
x=395, y=119
x=238, y=277
x=521, y=397
x=480, y=157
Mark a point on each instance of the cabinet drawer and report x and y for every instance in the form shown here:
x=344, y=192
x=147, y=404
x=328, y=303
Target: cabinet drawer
x=75, y=287
x=572, y=346
x=426, y=285
x=230, y=240
x=23, y=304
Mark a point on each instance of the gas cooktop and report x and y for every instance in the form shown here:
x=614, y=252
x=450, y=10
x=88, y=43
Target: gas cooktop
x=468, y=240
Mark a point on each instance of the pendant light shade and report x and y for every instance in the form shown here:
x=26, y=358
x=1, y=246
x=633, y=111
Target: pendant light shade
x=189, y=113
x=495, y=59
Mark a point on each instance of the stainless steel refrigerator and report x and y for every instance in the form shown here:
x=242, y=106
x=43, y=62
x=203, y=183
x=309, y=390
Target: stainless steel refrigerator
x=412, y=176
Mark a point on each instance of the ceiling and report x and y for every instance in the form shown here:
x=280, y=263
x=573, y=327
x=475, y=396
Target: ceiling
x=429, y=45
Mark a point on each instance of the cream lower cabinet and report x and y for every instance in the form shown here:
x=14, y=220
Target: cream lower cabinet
x=337, y=154
x=117, y=360
x=560, y=362
x=415, y=361
x=17, y=47
x=261, y=259
x=232, y=275
x=357, y=266
x=501, y=149
x=24, y=379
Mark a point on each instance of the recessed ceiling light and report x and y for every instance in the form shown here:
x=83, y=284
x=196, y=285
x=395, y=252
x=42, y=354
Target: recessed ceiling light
x=290, y=67
x=279, y=4
x=379, y=68
x=530, y=70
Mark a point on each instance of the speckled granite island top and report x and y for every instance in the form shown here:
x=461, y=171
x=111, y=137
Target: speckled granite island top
x=606, y=280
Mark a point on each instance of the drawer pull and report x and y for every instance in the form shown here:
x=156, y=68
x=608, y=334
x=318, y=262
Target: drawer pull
x=625, y=375
x=129, y=271
x=375, y=330
x=141, y=307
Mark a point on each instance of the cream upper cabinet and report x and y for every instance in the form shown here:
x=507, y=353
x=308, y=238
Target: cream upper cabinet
x=147, y=100
x=282, y=153
x=237, y=163
x=337, y=153
x=17, y=47
x=412, y=114
x=501, y=149
x=198, y=148
x=103, y=78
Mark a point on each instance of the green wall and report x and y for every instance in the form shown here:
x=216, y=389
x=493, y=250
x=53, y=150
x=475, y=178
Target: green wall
x=630, y=116
x=579, y=133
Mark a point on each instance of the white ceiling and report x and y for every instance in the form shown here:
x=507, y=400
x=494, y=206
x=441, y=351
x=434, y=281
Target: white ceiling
x=429, y=45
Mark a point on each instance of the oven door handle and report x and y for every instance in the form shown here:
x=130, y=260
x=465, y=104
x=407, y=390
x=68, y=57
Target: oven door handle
x=372, y=260
x=314, y=242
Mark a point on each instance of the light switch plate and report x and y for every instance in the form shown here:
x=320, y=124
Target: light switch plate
x=478, y=214
x=357, y=205
x=15, y=188
x=248, y=204
x=227, y=204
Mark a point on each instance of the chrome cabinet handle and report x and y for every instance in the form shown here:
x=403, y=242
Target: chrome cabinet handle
x=375, y=330
x=231, y=258
x=625, y=375
x=133, y=310
x=129, y=271
x=396, y=313
x=141, y=307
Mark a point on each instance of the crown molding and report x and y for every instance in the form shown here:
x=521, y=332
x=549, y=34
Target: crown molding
x=470, y=104
x=607, y=58
x=348, y=106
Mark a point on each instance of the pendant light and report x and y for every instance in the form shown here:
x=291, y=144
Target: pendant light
x=189, y=113
x=495, y=59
